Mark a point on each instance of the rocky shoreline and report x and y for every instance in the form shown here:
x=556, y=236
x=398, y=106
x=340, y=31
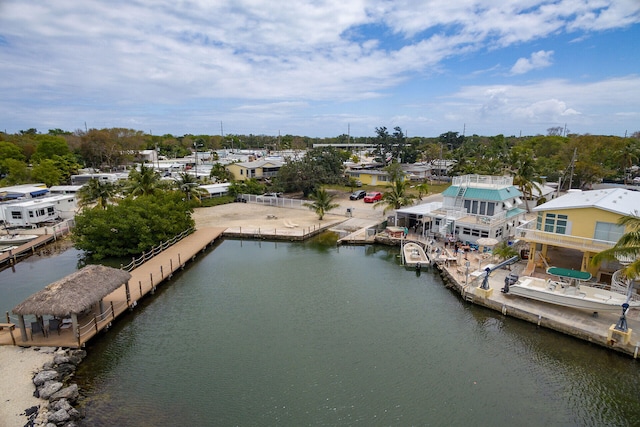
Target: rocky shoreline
x=54, y=385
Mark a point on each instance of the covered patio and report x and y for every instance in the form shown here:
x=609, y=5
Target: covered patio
x=72, y=310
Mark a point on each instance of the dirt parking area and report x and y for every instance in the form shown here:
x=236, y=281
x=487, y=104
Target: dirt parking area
x=264, y=217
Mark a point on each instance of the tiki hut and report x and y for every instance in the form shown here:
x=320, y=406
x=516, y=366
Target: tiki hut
x=72, y=295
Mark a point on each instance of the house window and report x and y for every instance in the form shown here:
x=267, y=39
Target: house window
x=241, y=172
x=555, y=223
x=608, y=232
x=16, y=215
x=50, y=210
x=30, y=214
x=539, y=221
x=491, y=206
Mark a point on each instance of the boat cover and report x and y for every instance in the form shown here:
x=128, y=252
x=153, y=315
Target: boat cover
x=569, y=273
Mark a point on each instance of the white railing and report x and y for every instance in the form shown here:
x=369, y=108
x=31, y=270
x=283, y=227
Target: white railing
x=281, y=202
x=620, y=285
x=483, y=180
x=146, y=256
x=529, y=233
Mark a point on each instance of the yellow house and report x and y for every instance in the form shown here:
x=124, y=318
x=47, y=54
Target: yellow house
x=581, y=221
x=370, y=177
x=259, y=169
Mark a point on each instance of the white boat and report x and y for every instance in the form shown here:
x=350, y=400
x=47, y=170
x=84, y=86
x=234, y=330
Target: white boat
x=574, y=294
x=414, y=255
x=16, y=239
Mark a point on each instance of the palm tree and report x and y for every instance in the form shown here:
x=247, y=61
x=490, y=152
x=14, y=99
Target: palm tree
x=321, y=202
x=396, y=198
x=423, y=189
x=98, y=191
x=143, y=182
x=627, y=247
x=525, y=175
x=629, y=154
x=188, y=184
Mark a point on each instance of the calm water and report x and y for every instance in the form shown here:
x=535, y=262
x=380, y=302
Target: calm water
x=257, y=333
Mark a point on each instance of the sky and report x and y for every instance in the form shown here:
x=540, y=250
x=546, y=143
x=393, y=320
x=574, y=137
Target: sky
x=321, y=68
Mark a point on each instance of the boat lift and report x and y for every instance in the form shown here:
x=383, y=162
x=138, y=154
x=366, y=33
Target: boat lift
x=488, y=270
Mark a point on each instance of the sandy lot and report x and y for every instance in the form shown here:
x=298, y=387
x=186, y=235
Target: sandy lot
x=17, y=366
x=252, y=216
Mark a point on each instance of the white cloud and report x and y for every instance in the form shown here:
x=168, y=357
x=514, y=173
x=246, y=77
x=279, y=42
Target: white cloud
x=135, y=61
x=540, y=59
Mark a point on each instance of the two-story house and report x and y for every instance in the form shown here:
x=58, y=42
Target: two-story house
x=579, y=222
x=474, y=206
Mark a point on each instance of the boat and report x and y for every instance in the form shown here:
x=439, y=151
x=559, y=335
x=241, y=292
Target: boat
x=414, y=255
x=16, y=239
x=574, y=294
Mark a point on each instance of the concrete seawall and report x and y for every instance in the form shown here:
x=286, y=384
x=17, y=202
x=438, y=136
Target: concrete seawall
x=576, y=323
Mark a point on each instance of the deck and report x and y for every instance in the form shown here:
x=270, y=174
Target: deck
x=144, y=280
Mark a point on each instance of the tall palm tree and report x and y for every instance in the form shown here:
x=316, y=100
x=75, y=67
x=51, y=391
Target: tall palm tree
x=322, y=202
x=396, y=198
x=98, y=191
x=627, y=247
x=525, y=175
x=188, y=184
x=629, y=154
x=143, y=182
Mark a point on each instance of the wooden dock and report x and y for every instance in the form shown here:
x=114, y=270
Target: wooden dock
x=144, y=280
x=12, y=256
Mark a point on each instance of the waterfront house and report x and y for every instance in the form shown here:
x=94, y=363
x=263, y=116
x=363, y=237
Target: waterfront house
x=473, y=207
x=370, y=176
x=580, y=222
x=259, y=169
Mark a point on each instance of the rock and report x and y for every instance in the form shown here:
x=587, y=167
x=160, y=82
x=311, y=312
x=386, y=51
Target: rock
x=44, y=376
x=60, y=404
x=74, y=414
x=46, y=350
x=66, y=369
x=70, y=424
x=59, y=416
x=78, y=353
x=48, y=365
x=30, y=411
x=49, y=388
x=59, y=359
x=70, y=393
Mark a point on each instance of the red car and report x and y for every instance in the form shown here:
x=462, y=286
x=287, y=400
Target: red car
x=372, y=197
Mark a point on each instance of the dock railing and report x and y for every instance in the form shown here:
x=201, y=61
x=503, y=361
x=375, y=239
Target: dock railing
x=146, y=256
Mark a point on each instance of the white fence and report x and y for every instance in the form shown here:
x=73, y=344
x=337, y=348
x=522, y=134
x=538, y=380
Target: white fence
x=280, y=202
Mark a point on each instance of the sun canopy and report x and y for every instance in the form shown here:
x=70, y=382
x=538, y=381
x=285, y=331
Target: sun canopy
x=75, y=292
x=569, y=273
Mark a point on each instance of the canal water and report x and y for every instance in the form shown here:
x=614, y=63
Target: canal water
x=264, y=333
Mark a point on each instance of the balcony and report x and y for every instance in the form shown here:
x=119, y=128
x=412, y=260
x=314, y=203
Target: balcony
x=528, y=233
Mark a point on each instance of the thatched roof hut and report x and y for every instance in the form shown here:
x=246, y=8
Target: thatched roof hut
x=74, y=293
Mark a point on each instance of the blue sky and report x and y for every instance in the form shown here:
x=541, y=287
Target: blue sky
x=321, y=68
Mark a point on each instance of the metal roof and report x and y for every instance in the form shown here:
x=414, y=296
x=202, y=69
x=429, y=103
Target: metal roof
x=617, y=200
x=488, y=194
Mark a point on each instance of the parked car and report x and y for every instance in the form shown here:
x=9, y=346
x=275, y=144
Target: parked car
x=372, y=197
x=356, y=195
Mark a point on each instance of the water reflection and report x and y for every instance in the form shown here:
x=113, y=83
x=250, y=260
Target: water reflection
x=316, y=334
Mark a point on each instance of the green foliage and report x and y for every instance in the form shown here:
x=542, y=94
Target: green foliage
x=142, y=182
x=16, y=172
x=319, y=166
x=47, y=171
x=250, y=186
x=396, y=197
x=133, y=226
x=220, y=173
x=503, y=251
x=627, y=247
x=189, y=186
x=322, y=202
x=49, y=146
x=96, y=191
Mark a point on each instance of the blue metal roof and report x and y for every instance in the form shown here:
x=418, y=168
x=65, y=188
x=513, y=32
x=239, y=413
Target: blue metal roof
x=488, y=194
